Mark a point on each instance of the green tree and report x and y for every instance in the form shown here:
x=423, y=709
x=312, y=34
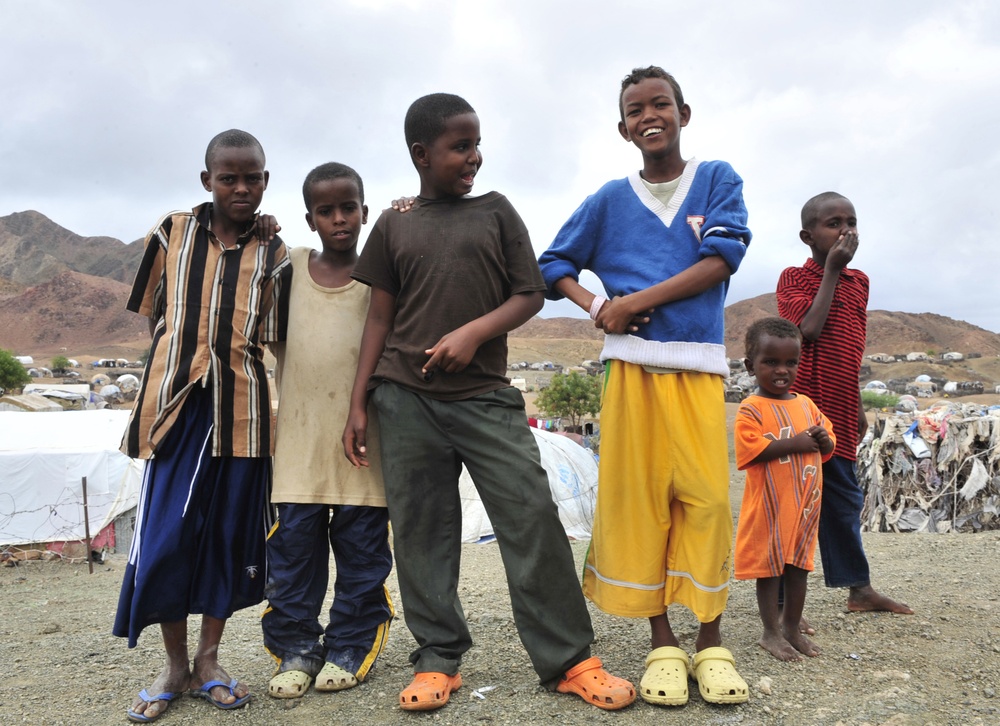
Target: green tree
x=60, y=364
x=12, y=373
x=572, y=397
x=872, y=399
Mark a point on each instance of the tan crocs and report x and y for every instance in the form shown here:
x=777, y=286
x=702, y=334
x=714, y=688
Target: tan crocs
x=665, y=682
x=718, y=681
x=289, y=684
x=334, y=678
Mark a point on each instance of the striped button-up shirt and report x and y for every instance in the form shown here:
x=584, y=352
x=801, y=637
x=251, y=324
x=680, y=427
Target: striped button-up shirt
x=214, y=307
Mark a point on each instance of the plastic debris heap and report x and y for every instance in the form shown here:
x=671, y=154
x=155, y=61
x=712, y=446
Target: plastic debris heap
x=936, y=470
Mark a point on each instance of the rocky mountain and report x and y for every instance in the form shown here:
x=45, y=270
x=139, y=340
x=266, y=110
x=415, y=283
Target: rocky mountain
x=74, y=313
x=60, y=291
x=34, y=249
x=894, y=333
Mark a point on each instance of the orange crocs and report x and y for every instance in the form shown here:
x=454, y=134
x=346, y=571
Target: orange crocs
x=428, y=691
x=596, y=686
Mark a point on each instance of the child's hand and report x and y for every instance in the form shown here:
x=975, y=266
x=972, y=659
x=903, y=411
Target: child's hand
x=805, y=442
x=452, y=353
x=404, y=204
x=822, y=438
x=267, y=226
x=354, y=438
x=614, y=317
x=843, y=250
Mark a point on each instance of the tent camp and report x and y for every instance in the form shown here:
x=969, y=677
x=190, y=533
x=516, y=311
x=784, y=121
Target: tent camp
x=572, y=472
x=43, y=458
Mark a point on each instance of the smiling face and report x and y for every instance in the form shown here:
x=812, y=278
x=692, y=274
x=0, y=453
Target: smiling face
x=337, y=213
x=448, y=165
x=775, y=364
x=652, y=118
x=237, y=180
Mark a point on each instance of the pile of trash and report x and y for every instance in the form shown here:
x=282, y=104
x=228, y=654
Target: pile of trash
x=936, y=470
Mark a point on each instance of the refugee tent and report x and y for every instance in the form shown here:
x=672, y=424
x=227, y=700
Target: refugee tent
x=27, y=402
x=111, y=392
x=127, y=383
x=43, y=458
x=572, y=472
x=936, y=470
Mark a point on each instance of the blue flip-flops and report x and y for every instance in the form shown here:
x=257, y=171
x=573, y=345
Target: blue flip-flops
x=144, y=695
x=206, y=692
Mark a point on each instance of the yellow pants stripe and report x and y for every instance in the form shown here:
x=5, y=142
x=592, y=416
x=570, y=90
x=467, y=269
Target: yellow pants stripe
x=663, y=527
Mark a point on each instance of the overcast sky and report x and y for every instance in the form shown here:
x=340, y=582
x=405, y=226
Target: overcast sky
x=108, y=106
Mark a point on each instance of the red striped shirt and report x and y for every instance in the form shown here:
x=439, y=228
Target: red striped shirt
x=830, y=365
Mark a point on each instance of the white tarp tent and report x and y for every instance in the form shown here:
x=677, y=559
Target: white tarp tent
x=44, y=456
x=572, y=472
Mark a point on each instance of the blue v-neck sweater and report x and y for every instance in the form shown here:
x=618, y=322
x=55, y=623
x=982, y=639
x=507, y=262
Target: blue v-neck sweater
x=631, y=241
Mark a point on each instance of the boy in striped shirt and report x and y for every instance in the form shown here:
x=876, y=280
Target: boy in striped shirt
x=827, y=300
x=203, y=419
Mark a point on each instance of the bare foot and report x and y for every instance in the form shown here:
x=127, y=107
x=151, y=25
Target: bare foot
x=206, y=670
x=866, y=599
x=804, y=626
x=802, y=644
x=779, y=647
x=170, y=680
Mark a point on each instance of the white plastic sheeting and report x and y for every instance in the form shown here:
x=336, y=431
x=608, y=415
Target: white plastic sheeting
x=43, y=458
x=572, y=471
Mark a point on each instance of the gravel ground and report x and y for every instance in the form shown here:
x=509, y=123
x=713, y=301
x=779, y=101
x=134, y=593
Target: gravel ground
x=940, y=666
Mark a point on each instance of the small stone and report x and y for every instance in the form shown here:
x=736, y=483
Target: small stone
x=764, y=685
x=50, y=628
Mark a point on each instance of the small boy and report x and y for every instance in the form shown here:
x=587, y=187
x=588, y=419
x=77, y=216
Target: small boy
x=781, y=440
x=664, y=242
x=322, y=501
x=827, y=301
x=449, y=279
x=202, y=418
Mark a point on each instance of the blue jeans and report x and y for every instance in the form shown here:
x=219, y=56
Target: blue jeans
x=843, y=555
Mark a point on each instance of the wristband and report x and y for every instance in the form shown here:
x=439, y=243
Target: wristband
x=596, y=305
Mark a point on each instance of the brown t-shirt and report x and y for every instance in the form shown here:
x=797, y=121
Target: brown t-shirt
x=447, y=262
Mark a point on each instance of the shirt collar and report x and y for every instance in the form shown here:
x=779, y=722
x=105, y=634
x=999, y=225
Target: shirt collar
x=203, y=213
x=818, y=269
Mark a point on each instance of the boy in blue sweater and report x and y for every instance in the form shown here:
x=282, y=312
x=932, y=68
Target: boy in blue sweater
x=664, y=242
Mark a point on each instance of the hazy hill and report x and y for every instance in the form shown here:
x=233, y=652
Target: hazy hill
x=34, y=249
x=888, y=332
x=59, y=290
x=81, y=314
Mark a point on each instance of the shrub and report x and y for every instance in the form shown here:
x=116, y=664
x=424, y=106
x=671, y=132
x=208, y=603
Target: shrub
x=873, y=399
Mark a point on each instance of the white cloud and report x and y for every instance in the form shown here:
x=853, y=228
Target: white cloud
x=109, y=107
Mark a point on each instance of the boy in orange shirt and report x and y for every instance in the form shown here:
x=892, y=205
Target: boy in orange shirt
x=781, y=441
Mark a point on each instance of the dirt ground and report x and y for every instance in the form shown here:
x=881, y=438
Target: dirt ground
x=939, y=666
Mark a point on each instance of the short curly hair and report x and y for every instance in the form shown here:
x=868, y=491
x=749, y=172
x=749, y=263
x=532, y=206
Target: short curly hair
x=426, y=117
x=640, y=74
x=231, y=139
x=774, y=327
x=810, y=210
x=327, y=172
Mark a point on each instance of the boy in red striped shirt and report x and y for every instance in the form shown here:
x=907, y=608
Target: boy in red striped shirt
x=827, y=300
